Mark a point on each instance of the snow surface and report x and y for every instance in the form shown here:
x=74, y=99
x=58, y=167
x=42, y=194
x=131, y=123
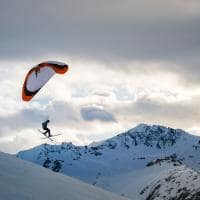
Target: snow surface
x=124, y=164
x=180, y=183
x=22, y=180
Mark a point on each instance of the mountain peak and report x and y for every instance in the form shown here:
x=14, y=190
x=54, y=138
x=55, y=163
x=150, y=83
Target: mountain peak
x=145, y=127
x=149, y=135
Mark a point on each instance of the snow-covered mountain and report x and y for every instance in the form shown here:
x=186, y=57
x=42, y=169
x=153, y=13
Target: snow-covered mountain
x=22, y=180
x=180, y=183
x=126, y=163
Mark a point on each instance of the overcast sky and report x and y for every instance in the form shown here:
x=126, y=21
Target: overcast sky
x=131, y=61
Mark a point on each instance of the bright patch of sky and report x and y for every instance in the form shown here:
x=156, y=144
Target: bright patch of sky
x=91, y=102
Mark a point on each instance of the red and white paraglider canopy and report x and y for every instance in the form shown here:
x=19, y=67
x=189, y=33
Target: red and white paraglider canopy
x=38, y=76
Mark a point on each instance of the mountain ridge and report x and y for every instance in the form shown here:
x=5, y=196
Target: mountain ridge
x=110, y=163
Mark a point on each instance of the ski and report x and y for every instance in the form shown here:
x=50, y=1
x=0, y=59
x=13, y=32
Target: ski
x=47, y=138
x=45, y=135
x=51, y=136
x=55, y=135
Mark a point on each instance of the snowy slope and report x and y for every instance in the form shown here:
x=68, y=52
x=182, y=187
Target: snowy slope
x=125, y=163
x=180, y=183
x=21, y=180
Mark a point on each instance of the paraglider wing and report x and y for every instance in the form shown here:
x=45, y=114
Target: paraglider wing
x=38, y=76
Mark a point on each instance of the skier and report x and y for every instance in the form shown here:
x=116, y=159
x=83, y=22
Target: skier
x=47, y=130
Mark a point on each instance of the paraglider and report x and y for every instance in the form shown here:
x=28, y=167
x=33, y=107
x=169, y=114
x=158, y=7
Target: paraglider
x=38, y=76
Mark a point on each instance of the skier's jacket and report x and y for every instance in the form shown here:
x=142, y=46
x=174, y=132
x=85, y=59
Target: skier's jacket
x=44, y=124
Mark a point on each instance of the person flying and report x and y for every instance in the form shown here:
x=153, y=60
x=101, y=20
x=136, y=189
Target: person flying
x=47, y=130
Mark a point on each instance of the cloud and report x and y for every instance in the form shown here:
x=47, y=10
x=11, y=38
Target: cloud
x=91, y=97
x=31, y=118
x=106, y=30
x=181, y=114
x=95, y=113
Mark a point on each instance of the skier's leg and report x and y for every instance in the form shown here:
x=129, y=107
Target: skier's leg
x=49, y=132
x=45, y=133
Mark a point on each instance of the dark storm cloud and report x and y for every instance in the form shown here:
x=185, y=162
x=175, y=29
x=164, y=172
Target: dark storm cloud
x=112, y=31
x=153, y=29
